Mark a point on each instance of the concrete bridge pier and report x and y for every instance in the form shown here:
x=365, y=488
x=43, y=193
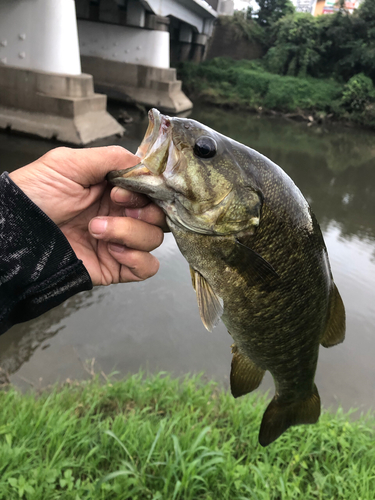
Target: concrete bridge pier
x=42, y=89
x=125, y=45
x=126, y=49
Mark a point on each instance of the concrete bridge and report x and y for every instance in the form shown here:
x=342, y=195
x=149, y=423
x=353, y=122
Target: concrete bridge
x=53, y=53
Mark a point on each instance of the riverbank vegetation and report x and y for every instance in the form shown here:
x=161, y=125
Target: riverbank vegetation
x=313, y=66
x=247, y=85
x=160, y=438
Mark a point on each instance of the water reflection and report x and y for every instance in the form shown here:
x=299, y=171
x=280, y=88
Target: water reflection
x=338, y=147
x=333, y=166
x=19, y=344
x=156, y=324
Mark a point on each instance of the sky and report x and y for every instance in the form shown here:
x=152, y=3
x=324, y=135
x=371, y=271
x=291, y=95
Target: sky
x=243, y=4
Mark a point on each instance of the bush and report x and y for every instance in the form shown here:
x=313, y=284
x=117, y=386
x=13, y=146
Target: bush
x=247, y=84
x=290, y=94
x=357, y=93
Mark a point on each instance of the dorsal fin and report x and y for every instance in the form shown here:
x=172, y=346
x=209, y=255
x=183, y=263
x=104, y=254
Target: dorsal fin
x=335, y=329
x=209, y=303
x=245, y=376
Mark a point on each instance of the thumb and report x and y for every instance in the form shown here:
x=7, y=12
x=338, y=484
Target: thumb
x=89, y=166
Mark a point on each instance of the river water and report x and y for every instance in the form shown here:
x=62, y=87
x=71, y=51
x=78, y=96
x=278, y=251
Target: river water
x=155, y=325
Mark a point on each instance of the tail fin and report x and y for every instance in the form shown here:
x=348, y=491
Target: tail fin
x=279, y=416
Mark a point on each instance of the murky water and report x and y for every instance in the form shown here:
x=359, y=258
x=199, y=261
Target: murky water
x=155, y=325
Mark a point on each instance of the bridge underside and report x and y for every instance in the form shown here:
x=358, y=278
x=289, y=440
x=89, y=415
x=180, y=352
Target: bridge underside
x=124, y=44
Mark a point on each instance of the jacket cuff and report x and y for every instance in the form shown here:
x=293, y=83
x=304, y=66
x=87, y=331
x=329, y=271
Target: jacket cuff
x=38, y=267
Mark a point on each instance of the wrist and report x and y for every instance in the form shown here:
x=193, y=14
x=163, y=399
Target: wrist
x=26, y=184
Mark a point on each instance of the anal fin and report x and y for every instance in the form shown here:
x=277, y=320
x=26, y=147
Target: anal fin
x=335, y=329
x=245, y=376
x=279, y=416
x=192, y=275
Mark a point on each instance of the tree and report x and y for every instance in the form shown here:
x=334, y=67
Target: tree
x=366, y=12
x=271, y=11
x=295, y=49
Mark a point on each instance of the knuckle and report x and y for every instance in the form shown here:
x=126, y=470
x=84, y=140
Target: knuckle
x=57, y=153
x=114, y=148
x=143, y=265
x=160, y=236
x=134, y=233
x=119, y=228
x=133, y=259
x=151, y=268
x=155, y=235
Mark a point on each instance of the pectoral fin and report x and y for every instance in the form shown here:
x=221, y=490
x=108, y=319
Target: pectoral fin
x=209, y=303
x=335, y=329
x=245, y=376
x=281, y=415
x=256, y=268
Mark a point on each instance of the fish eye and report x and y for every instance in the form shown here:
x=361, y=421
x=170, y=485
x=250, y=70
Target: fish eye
x=205, y=147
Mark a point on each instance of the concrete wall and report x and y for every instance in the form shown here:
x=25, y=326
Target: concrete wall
x=124, y=44
x=39, y=34
x=225, y=42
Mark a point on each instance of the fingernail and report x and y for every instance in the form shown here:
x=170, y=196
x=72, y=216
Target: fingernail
x=134, y=213
x=98, y=225
x=116, y=248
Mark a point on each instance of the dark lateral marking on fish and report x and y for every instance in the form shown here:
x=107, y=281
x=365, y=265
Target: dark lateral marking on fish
x=281, y=415
x=260, y=266
x=245, y=376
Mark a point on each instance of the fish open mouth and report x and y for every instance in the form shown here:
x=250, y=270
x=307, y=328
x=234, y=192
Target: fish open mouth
x=152, y=132
x=158, y=127
x=153, y=152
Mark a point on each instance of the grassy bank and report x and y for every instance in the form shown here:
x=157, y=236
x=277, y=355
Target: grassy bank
x=247, y=85
x=161, y=438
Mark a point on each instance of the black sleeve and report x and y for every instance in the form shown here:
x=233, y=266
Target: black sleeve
x=38, y=267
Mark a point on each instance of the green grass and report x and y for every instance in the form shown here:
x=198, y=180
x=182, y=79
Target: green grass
x=163, y=438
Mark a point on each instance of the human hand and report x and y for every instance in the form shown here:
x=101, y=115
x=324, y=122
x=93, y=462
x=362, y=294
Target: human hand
x=69, y=186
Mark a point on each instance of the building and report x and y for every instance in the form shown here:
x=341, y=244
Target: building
x=319, y=7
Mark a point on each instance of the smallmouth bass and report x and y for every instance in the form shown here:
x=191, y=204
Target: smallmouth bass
x=257, y=259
